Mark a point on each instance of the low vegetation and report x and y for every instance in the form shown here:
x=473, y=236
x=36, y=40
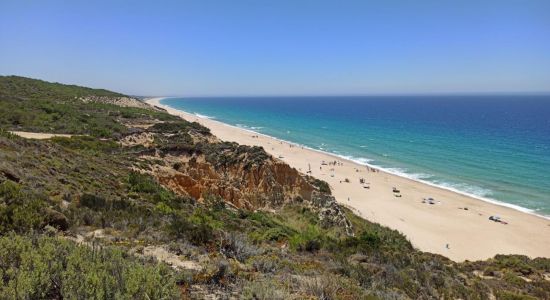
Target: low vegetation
x=41, y=267
x=39, y=106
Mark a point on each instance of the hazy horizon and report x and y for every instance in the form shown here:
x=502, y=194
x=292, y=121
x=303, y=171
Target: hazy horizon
x=281, y=48
x=387, y=94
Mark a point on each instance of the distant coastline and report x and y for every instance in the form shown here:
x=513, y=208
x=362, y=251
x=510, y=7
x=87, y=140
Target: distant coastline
x=388, y=212
x=365, y=162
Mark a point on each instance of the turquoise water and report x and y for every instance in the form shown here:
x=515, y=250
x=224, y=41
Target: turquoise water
x=491, y=147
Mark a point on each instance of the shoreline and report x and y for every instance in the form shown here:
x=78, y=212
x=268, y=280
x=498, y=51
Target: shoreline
x=533, y=232
x=355, y=161
x=385, y=170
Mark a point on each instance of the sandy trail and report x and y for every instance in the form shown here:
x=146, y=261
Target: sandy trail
x=38, y=135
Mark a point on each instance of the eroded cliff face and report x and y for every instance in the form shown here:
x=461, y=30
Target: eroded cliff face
x=192, y=163
x=266, y=184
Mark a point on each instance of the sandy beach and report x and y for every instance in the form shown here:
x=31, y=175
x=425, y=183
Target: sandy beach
x=454, y=225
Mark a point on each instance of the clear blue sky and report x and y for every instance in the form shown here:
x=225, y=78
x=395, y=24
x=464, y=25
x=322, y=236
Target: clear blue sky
x=280, y=47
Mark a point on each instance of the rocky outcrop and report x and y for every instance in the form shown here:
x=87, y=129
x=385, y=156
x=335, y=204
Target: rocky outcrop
x=330, y=212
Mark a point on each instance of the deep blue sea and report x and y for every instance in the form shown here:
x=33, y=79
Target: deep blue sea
x=492, y=147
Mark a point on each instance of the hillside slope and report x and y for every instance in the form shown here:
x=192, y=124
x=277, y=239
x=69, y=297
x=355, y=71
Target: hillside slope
x=144, y=205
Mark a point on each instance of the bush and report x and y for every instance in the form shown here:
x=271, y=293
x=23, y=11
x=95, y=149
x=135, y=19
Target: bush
x=308, y=240
x=273, y=234
x=196, y=229
x=50, y=268
x=179, y=126
x=265, y=290
x=227, y=154
x=322, y=287
x=87, y=143
x=92, y=201
x=142, y=183
x=504, y=295
x=266, y=264
x=236, y=245
x=20, y=211
x=214, y=202
x=322, y=185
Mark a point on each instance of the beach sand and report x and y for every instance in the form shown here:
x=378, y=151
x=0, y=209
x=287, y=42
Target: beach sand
x=444, y=228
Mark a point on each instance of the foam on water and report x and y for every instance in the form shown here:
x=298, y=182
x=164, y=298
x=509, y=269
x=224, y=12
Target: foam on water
x=459, y=188
x=253, y=128
x=203, y=116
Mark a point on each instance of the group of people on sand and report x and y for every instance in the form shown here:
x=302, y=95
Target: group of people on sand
x=369, y=169
x=332, y=163
x=430, y=201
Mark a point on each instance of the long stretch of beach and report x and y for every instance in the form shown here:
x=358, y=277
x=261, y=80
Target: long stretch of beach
x=451, y=224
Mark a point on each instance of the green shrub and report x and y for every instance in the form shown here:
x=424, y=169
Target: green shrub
x=505, y=295
x=265, y=290
x=214, y=201
x=50, y=268
x=163, y=208
x=92, y=201
x=87, y=143
x=323, y=186
x=142, y=183
x=20, y=211
x=308, y=240
x=196, y=229
x=179, y=126
x=274, y=234
x=265, y=264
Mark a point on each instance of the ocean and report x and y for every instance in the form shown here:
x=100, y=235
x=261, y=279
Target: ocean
x=495, y=148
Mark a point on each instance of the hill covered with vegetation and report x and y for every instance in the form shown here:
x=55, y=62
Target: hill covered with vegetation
x=140, y=204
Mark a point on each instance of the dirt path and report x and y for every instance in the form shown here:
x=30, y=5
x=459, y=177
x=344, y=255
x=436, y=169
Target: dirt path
x=39, y=135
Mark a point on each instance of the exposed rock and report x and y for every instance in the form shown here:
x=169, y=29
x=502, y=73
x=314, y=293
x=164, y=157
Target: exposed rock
x=10, y=175
x=330, y=212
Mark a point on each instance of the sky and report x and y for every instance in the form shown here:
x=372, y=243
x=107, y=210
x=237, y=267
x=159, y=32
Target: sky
x=262, y=47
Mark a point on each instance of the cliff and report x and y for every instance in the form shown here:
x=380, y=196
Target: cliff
x=244, y=177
